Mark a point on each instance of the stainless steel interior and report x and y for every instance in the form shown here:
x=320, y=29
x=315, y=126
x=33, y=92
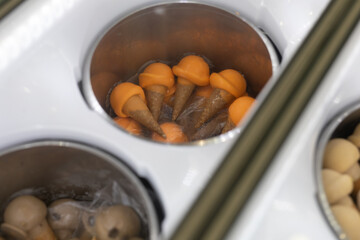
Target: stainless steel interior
x=168, y=31
x=58, y=169
x=341, y=126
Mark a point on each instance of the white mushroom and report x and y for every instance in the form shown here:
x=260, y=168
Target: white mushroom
x=117, y=222
x=340, y=155
x=28, y=214
x=88, y=221
x=349, y=220
x=355, y=137
x=63, y=234
x=13, y=232
x=336, y=185
x=85, y=235
x=358, y=199
x=346, y=201
x=64, y=217
x=354, y=171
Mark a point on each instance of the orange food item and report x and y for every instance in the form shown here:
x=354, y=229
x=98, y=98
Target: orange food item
x=194, y=69
x=156, y=79
x=168, y=99
x=121, y=94
x=229, y=80
x=191, y=71
x=237, y=111
x=239, y=108
x=157, y=74
x=128, y=99
x=173, y=133
x=228, y=85
x=204, y=91
x=129, y=125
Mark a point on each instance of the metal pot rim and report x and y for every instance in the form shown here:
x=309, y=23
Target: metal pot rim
x=320, y=147
x=93, y=103
x=153, y=224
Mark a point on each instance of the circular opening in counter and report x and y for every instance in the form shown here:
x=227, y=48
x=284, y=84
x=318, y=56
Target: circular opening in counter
x=239, y=58
x=78, y=191
x=338, y=173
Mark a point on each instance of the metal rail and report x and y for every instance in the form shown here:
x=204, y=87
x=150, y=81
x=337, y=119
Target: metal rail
x=226, y=193
x=7, y=5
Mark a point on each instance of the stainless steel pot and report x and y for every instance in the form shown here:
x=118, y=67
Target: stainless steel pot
x=166, y=32
x=62, y=169
x=341, y=126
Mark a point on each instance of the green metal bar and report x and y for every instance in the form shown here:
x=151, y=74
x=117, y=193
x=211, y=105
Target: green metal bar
x=6, y=6
x=226, y=193
x=280, y=130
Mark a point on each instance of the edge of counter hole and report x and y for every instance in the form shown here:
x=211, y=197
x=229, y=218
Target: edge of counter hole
x=91, y=101
x=150, y=205
x=324, y=137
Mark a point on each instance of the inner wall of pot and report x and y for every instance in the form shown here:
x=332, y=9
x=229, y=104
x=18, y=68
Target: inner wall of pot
x=340, y=127
x=168, y=32
x=54, y=170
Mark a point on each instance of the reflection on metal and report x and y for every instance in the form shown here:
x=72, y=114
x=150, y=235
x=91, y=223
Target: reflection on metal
x=227, y=192
x=7, y=5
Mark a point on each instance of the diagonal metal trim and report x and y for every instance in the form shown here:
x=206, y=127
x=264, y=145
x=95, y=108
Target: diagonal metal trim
x=284, y=123
x=7, y=5
x=226, y=193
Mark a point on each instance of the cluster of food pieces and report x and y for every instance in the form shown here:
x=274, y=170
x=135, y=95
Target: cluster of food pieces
x=341, y=179
x=27, y=218
x=158, y=97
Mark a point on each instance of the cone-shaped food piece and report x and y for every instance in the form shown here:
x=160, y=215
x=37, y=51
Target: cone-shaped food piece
x=156, y=79
x=204, y=91
x=173, y=132
x=228, y=85
x=193, y=109
x=169, y=96
x=197, y=102
x=237, y=111
x=129, y=124
x=191, y=71
x=182, y=94
x=128, y=100
x=229, y=125
x=211, y=128
x=28, y=214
